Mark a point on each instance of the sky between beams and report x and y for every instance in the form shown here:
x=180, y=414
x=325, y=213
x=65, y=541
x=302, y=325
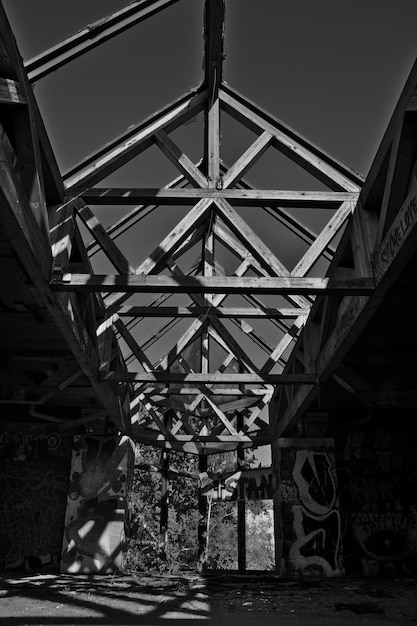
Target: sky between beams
x=332, y=70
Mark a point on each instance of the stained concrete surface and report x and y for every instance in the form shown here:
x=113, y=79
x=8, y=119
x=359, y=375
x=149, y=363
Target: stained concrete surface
x=226, y=600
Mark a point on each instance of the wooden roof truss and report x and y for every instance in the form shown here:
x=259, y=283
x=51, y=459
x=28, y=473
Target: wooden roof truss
x=191, y=396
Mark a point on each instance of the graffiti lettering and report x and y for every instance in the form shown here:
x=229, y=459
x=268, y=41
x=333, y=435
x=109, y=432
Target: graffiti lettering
x=399, y=230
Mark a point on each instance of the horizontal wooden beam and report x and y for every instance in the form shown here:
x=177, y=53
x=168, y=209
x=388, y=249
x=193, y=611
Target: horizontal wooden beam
x=134, y=283
x=93, y=35
x=203, y=379
x=161, y=390
x=239, y=197
x=196, y=311
x=149, y=437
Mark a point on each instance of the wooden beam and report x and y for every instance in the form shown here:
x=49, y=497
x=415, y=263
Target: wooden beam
x=52, y=181
x=222, y=311
x=400, y=172
x=180, y=160
x=149, y=436
x=134, y=283
x=135, y=140
x=207, y=379
x=161, y=390
x=293, y=145
x=16, y=218
x=11, y=92
x=317, y=248
x=118, y=227
x=248, y=237
x=287, y=339
x=247, y=160
x=178, y=234
x=396, y=250
x=106, y=243
x=212, y=143
x=59, y=380
x=93, y=35
x=105, y=336
x=240, y=197
x=214, y=13
x=61, y=235
x=373, y=188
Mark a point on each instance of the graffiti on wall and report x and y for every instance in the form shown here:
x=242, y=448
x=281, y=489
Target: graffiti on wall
x=251, y=484
x=97, y=504
x=34, y=465
x=311, y=522
x=379, y=487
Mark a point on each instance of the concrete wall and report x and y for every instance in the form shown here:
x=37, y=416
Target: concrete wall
x=377, y=470
x=34, y=472
x=94, y=536
x=308, y=520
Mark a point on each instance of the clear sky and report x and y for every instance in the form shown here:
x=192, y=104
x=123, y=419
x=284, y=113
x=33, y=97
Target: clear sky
x=332, y=69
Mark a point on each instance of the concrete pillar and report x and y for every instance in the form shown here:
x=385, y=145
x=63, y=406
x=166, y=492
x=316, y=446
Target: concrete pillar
x=101, y=474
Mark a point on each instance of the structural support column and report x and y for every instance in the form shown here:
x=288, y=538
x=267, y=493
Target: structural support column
x=202, y=520
x=163, y=521
x=241, y=515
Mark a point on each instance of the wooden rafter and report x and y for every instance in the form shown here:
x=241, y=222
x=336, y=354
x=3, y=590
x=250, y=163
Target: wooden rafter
x=336, y=175
x=138, y=138
x=92, y=36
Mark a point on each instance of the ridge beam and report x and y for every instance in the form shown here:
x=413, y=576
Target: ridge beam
x=214, y=14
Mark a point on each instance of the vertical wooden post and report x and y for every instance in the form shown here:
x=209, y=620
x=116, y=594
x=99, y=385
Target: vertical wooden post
x=163, y=520
x=241, y=515
x=202, y=520
x=275, y=454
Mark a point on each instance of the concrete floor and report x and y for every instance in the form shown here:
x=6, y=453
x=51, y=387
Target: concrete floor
x=217, y=601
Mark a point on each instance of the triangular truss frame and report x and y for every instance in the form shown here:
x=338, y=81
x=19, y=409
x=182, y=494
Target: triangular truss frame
x=176, y=403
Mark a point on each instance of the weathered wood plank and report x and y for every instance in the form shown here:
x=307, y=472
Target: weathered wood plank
x=329, y=231
x=52, y=181
x=396, y=250
x=11, y=92
x=239, y=197
x=222, y=311
x=297, y=148
x=116, y=153
x=177, y=235
x=215, y=284
x=198, y=378
x=180, y=160
x=399, y=242
x=212, y=142
x=247, y=160
x=18, y=219
x=149, y=436
x=161, y=390
x=61, y=234
x=106, y=243
x=93, y=35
